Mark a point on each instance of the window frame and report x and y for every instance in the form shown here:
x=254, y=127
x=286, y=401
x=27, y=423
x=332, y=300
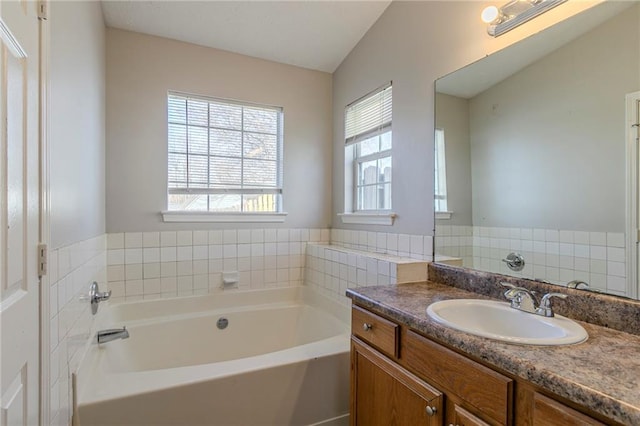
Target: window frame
x=355, y=133
x=241, y=188
x=440, y=175
x=357, y=161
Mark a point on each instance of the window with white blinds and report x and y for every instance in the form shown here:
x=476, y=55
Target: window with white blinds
x=369, y=116
x=368, y=134
x=223, y=156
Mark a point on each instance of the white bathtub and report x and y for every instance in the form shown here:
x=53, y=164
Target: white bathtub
x=283, y=359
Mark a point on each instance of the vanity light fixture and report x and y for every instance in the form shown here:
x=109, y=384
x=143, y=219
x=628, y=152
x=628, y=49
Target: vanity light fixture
x=514, y=13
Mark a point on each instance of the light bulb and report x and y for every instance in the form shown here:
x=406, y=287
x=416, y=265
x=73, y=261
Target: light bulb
x=490, y=14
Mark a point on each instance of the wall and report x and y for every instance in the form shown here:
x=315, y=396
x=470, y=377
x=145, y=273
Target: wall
x=77, y=253
x=331, y=269
x=140, y=71
x=77, y=114
x=150, y=265
x=71, y=269
x=412, y=44
x=552, y=255
x=548, y=143
x=452, y=115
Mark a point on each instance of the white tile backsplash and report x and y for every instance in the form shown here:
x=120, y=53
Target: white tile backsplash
x=71, y=271
x=557, y=256
x=169, y=263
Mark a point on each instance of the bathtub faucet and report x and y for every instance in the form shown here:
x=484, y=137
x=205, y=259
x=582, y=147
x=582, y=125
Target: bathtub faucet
x=105, y=336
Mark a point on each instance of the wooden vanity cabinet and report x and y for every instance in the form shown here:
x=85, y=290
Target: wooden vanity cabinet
x=385, y=394
x=399, y=377
x=534, y=408
x=549, y=412
x=474, y=394
x=462, y=417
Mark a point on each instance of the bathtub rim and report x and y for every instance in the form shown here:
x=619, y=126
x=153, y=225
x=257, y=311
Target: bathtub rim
x=164, y=307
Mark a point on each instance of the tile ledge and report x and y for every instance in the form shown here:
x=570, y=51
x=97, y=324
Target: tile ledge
x=386, y=219
x=184, y=216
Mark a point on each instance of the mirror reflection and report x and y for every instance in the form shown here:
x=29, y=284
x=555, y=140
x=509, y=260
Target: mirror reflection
x=535, y=158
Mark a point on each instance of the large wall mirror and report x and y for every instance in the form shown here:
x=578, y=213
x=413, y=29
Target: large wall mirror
x=532, y=155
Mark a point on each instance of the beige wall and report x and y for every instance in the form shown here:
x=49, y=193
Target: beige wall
x=140, y=71
x=412, y=44
x=452, y=115
x=77, y=76
x=548, y=143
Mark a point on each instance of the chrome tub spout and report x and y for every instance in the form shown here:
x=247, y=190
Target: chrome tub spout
x=111, y=334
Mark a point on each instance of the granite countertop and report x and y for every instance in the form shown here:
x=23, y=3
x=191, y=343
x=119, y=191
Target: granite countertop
x=601, y=374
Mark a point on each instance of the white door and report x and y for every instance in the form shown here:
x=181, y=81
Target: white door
x=19, y=213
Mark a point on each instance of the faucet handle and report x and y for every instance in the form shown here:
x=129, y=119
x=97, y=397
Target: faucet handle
x=95, y=296
x=545, y=308
x=513, y=290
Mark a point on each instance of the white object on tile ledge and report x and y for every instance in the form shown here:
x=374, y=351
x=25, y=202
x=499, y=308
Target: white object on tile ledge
x=368, y=218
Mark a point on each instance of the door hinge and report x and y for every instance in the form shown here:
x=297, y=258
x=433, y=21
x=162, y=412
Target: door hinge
x=42, y=260
x=638, y=235
x=43, y=10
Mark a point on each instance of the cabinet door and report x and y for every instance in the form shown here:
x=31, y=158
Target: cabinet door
x=385, y=394
x=489, y=392
x=549, y=412
x=464, y=418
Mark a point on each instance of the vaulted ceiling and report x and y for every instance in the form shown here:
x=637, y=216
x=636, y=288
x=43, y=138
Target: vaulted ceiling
x=310, y=34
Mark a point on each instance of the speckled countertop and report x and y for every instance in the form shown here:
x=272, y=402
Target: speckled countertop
x=601, y=374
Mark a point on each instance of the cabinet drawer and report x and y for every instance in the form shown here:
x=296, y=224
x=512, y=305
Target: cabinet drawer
x=549, y=412
x=375, y=330
x=487, y=391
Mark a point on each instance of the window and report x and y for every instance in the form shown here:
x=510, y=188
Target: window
x=223, y=156
x=368, y=136
x=440, y=173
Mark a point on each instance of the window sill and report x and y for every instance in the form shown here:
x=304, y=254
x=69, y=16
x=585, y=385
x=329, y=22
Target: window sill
x=444, y=215
x=368, y=218
x=185, y=216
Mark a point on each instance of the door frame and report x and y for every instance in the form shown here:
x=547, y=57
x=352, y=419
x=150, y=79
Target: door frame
x=45, y=212
x=632, y=104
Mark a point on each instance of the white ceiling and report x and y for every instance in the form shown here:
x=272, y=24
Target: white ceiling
x=310, y=34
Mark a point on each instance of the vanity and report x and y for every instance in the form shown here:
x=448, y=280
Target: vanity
x=531, y=145
x=407, y=369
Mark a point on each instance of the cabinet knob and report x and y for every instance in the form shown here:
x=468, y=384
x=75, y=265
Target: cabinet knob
x=431, y=411
x=367, y=327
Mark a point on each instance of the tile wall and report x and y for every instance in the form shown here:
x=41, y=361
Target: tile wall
x=404, y=245
x=71, y=270
x=331, y=269
x=557, y=256
x=145, y=265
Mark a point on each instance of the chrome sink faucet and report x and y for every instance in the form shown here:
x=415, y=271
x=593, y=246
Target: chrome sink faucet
x=111, y=334
x=525, y=300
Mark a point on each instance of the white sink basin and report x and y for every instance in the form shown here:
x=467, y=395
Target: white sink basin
x=497, y=320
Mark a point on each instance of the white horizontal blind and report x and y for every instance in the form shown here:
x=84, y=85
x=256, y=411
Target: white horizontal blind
x=369, y=116
x=223, y=155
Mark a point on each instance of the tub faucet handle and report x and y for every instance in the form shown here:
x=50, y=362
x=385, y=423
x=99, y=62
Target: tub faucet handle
x=96, y=296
